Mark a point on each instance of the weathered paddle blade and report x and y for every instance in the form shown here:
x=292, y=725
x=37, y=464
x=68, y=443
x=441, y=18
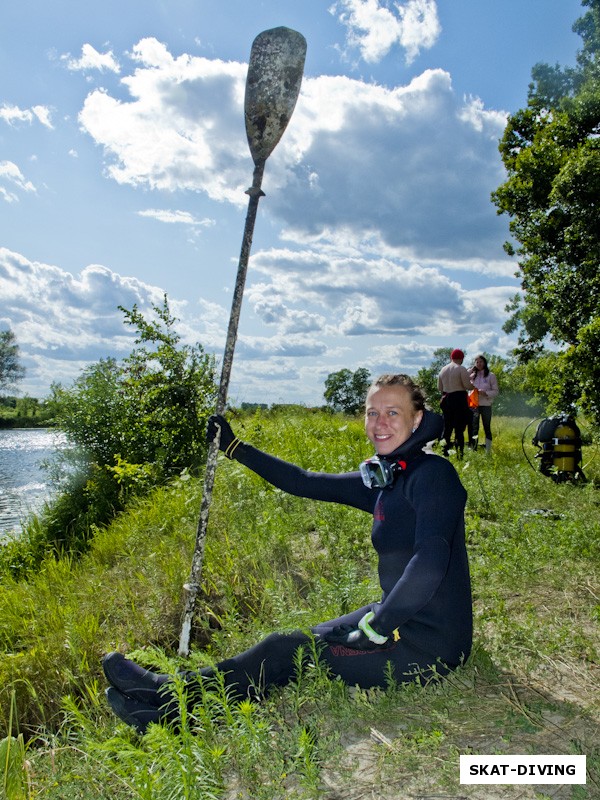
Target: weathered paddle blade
x=272, y=87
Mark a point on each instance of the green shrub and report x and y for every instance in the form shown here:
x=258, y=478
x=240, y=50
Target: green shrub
x=130, y=426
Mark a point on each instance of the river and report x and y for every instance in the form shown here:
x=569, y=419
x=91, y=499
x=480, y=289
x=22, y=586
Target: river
x=24, y=485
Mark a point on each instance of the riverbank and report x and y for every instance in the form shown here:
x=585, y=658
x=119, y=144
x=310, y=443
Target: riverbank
x=276, y=562
x=9, y=423
x=24, y=412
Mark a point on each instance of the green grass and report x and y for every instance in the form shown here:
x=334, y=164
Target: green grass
x=275, y=562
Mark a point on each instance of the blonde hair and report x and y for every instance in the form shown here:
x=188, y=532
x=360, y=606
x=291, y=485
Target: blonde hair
x=417, y=397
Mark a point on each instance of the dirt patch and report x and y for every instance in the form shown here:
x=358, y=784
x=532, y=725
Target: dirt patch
x=404, y=760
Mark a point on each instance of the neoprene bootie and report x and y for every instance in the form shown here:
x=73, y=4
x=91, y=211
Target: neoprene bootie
x=138, y=715
x=138, y=683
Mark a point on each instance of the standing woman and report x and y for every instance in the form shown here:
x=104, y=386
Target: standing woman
x=421, y=623
x=487, y=385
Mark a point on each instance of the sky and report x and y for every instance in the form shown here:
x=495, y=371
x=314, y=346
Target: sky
x=124, y=163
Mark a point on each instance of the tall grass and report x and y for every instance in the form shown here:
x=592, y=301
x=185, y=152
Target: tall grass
x=275, y=562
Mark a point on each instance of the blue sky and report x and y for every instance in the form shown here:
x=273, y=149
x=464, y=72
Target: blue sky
x=124, y=162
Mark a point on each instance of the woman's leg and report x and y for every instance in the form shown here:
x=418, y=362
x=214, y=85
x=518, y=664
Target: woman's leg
x=143, y=685
x=137, y=714
x=271, y=662
x=486, y=419
x=140, y=696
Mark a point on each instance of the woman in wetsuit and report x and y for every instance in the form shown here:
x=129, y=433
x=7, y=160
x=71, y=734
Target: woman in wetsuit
x=421, y=625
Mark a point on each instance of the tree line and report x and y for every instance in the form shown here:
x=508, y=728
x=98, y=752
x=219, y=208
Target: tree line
x=522, y=388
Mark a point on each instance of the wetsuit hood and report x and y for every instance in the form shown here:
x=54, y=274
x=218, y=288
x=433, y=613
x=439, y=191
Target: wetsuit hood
x=431, y=427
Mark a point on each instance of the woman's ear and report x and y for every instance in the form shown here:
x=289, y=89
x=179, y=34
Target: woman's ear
x=417, y=419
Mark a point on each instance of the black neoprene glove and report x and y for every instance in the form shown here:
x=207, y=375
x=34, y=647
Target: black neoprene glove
x=350, y=637
x=357, y=637
x=228, y=441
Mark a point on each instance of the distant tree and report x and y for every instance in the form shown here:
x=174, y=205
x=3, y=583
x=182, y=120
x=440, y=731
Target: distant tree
x=11, y=370
x=28, y=406
x=551, y=151
x=346, y=391
x=427, y=376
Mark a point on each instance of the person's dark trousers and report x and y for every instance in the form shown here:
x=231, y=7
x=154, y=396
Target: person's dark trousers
x=456, y=418
x=473, y=428
x=485, y=414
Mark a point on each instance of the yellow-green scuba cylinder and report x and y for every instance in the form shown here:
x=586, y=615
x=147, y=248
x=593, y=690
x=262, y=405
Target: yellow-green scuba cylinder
x=559, y=442
x=565, y=451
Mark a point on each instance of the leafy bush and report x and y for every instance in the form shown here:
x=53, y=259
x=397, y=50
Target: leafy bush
x=131, y=426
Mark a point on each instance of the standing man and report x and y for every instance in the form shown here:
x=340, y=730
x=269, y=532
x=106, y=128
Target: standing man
x=454, y=382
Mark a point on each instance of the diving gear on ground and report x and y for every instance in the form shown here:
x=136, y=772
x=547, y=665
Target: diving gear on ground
x=559, y=442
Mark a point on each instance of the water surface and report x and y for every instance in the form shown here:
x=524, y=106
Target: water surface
x=24, y=485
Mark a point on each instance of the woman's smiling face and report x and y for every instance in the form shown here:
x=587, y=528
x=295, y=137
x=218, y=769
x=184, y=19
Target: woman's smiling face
x=389, y=417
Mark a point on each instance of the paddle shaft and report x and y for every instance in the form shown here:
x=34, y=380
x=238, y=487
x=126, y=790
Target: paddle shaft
x=192, y=587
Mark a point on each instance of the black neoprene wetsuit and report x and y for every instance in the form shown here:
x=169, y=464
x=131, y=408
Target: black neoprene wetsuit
x=419, y=536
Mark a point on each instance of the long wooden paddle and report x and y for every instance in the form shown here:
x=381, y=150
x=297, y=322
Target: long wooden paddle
x=272, y=87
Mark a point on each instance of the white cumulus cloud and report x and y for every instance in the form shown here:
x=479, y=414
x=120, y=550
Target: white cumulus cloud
x=92, y=59
x=412, y=164
x=182, y=129
x=176, y=217
x=63, y=322
x=12, y=114
x=14, y=181
x=375, y=27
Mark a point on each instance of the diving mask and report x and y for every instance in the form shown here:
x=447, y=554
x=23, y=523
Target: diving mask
x=378, y=473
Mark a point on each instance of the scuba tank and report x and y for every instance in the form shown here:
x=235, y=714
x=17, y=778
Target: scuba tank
x=558, y=440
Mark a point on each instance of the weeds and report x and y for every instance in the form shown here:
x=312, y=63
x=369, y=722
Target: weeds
x=14, y=767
